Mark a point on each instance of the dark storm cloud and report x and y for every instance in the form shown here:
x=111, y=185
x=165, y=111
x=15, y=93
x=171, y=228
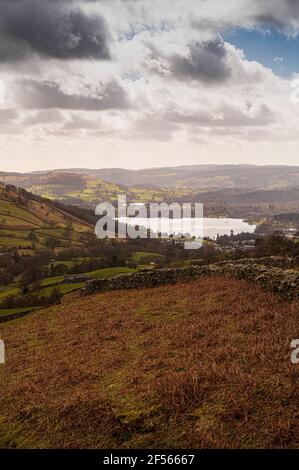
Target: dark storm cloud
x=205, y=62
x=50, y=28
x=32, y=94
x=281, y=16
x=268, y=21
x=292, y=7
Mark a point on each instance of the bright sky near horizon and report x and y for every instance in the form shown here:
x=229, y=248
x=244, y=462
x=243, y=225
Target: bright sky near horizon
x=143, y=83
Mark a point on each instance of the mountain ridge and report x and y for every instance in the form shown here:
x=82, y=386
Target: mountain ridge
x=188, y=176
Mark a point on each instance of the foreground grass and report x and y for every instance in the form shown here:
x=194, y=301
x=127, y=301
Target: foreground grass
x=202, y=364
x=12, y=311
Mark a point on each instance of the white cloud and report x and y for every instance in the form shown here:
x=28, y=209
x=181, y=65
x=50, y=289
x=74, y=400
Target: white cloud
x=169, y=79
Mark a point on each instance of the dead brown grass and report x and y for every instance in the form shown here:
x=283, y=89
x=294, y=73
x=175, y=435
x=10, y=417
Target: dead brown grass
x=201, y=364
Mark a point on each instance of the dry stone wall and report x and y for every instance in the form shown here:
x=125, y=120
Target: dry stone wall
x=282, y=281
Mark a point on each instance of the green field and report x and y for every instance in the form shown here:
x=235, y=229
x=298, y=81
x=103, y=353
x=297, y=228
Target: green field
x=99, y=273
x=11, y=311
x=21, y=213
x=72, y=262
x=48, y=284
x=63, y=288
x=8, y=292
x=14, y=242
x=109, y=272
x=139, y=255
x=68, y=263
x=52, y=281
x=58, y=281
x=11, y=212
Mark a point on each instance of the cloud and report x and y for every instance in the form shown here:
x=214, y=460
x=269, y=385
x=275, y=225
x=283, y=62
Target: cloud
x=154, y=128
x=32, y=95
x=204, y=62
x=226, y=116
x=7, y=116
x=79, y=123
x=142, y=73
x=268, y=21
x=44, y=117
x=51, y=29
x=277, y=15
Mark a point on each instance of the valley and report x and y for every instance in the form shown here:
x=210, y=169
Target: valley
x=253, y=192
x=48, y=248
x=149, y=232
x=146, y=367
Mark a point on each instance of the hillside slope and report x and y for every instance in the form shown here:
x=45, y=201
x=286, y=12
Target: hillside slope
x=26, y=222
x=199, y=364
x=82, y=189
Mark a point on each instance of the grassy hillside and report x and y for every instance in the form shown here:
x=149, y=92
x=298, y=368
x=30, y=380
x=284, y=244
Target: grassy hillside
x=86, y=190
x=27, y=222
x=203, y=364
x=42, y=242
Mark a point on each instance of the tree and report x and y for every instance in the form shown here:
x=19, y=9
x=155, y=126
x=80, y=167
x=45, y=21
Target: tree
x=28, y=277
x=51, y=270
x=52, y=243
x=32, y=237
x=55, y=296
x=68, y=230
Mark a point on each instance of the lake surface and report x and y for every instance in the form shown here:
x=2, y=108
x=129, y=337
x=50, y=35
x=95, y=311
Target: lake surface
x=213, y=226
x=209, y=227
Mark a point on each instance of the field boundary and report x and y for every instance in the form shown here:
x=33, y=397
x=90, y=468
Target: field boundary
x=16, y=316
x=285, y=282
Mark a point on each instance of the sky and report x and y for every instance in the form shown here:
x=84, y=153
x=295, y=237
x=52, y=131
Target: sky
x=148, y=83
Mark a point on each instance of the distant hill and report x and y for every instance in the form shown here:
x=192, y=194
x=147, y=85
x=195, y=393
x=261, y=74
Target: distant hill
x=234, y=196
x=234, y=185
x=28, y=221
x=203, y=177
x=79, y=189
x=66, y=187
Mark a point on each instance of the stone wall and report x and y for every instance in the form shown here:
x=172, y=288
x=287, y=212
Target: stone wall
x=272, y=261
x=282, y=281
x=15, y=316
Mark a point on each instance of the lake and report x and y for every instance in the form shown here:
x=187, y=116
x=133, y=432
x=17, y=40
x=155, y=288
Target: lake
x=209, y=227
